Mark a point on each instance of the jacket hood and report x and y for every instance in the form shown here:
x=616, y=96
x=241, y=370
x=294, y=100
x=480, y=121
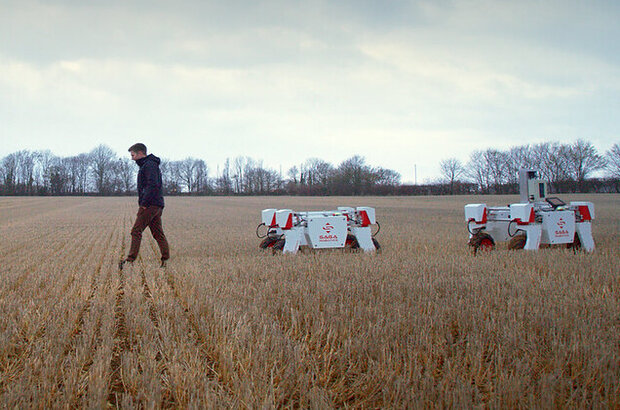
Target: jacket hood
x=149, y=157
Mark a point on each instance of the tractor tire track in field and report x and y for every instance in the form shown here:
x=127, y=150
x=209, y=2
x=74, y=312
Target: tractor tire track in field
x=168, y=398
x=94, y=286
x=200, y=340
x=338, y=384
x=116, y=386
x=210, y=354
x=76, y=331
x=96, y=339
x=208, y=351
x=15, y=364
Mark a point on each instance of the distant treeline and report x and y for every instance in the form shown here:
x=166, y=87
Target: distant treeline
x=568, y=167
x=102, y=172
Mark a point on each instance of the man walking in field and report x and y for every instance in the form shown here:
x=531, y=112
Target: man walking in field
x=151, y=201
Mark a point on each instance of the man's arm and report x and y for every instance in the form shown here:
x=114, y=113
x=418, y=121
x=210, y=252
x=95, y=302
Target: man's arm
x=150, y=184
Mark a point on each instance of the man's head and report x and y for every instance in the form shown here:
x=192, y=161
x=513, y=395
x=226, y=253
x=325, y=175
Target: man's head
x=137, y=151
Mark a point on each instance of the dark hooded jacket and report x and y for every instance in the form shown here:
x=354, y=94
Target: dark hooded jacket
x=149, y=182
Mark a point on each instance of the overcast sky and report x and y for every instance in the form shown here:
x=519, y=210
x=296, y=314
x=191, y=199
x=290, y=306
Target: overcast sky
x=401, y=83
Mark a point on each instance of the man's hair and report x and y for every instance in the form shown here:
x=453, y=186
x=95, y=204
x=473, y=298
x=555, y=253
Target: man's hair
x=139, y=147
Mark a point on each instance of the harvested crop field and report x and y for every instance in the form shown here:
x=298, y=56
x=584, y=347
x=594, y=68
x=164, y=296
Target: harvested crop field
x=423, y=323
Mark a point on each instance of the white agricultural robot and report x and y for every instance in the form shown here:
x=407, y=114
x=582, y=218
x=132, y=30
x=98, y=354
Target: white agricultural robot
x=346, y=227
x=536, y=220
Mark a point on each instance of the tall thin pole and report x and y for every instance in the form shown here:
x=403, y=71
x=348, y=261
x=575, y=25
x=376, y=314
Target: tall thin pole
x=415, y=171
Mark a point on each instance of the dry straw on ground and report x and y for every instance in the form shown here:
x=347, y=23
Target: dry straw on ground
x=424, y=323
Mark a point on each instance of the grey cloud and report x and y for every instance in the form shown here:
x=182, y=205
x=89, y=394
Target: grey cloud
x=405, y=72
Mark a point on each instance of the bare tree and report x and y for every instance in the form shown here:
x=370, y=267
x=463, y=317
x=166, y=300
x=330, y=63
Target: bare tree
x=248, y=180
x=81, y=166
x=45, y=160
x=518, y=157
x=223, y=182
x=170, y=176
x=58, y=177
x=583, y=159
x=201, y=174
x=318, y=171
x=186, y=171
x=272, y=181
x=9, y=168
x=68, y=163
x=238, y=177
x=18, y=170
x=27, y=164
x=551, y=162
x=451, y=170
x=496, y=162
x=478, y=171
x=191, y=173
x=2, y=179
x=260, y=178
x=353, y=176
x=386, y=177
x=126, y=174
x=613, y=161
x=102, y=158
x=292, y=173
x=540, y=157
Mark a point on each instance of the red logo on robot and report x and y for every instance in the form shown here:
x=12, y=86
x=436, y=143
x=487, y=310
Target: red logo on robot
x=328, y=237
x=561, y=232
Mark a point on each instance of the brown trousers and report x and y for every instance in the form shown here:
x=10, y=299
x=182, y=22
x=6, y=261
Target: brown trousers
x=151, y=217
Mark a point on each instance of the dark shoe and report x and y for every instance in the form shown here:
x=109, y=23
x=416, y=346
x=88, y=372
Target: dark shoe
x=163, y=264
